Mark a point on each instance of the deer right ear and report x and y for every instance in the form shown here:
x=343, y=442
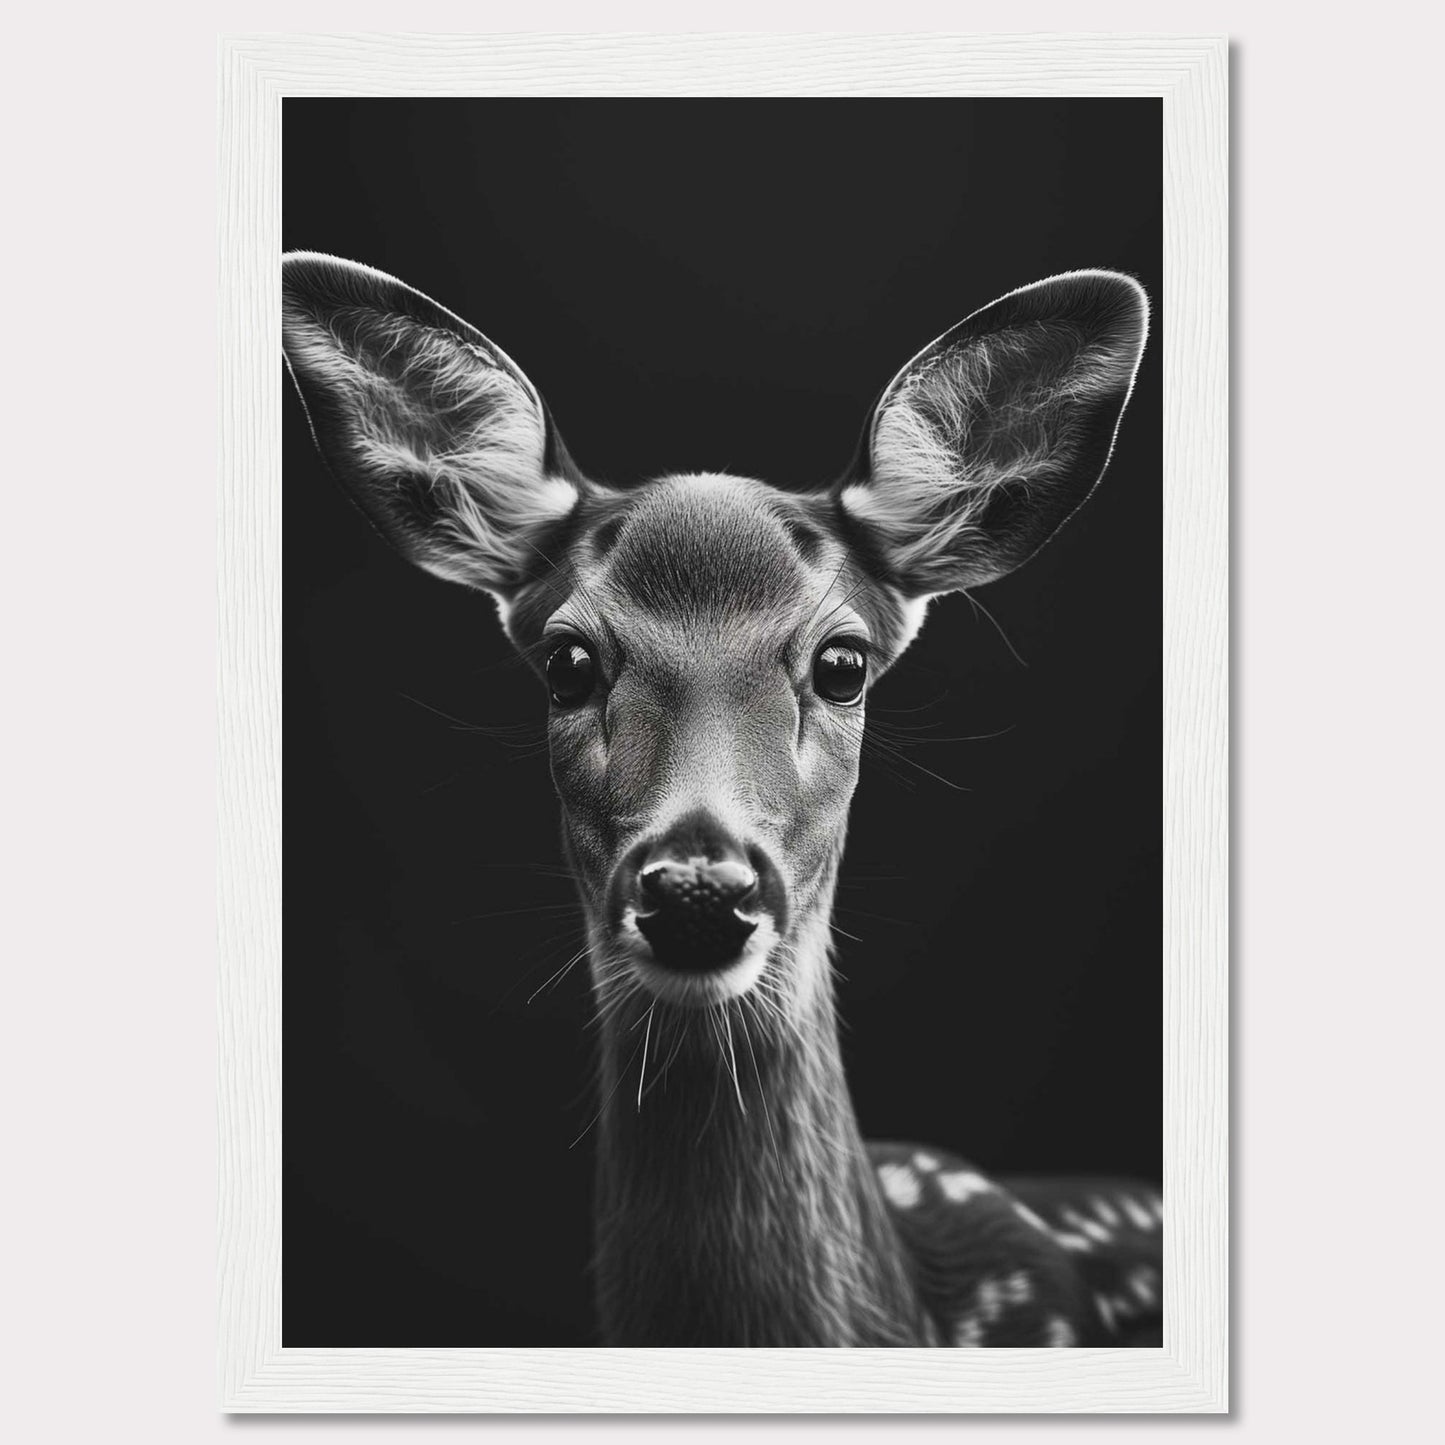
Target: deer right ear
x=434, y=432
x=981, y=447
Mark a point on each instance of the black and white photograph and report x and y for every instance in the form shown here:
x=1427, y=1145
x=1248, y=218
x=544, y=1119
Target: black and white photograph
x=721, y=710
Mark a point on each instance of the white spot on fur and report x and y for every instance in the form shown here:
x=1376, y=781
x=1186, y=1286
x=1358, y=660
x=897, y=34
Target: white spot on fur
x=927, y=1162
x=1143, y=1281
x=1106, y=1212
x=1105, y=1306
x=961, y=1185
x=968, y=1333
x=1139, y=1217
x=1082, y=1225
x=990, y=1297
x=901, y=1185
x=1075, y=1242
x=1059, y=1333
x=1017, y=1290
x=1030, y=1218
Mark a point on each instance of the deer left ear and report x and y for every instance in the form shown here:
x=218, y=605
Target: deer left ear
x=434, y=432
x=981, y=447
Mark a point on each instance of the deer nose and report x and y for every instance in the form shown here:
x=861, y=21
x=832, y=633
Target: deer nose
x=692, y=916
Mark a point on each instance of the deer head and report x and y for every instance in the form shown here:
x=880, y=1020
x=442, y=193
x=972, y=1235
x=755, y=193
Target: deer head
x=708, y=642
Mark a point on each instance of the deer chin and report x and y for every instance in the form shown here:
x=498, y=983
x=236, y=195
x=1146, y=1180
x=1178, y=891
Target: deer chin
x=729, y=980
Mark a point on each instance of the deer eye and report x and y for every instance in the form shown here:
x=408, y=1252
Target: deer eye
x=839, y=672
x=571, y=674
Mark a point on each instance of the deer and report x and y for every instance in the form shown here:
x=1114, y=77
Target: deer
x=707, y=644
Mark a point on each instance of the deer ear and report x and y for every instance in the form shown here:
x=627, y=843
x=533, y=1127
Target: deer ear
x=433, y=431
x=981, y=447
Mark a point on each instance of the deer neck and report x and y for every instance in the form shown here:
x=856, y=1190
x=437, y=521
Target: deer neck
x=747, y=1213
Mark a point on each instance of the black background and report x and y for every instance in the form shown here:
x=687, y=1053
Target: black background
x=702, y=285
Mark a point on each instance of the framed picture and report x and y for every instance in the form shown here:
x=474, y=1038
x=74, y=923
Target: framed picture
x=646, y=461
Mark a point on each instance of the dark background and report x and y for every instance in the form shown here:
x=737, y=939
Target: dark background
x=702, y=285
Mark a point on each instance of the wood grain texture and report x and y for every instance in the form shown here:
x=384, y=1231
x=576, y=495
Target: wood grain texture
x=1190, y=1373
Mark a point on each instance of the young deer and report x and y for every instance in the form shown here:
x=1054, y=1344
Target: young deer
x=708, y=643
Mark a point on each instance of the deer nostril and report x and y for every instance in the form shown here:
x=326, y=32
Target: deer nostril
x=733, y=881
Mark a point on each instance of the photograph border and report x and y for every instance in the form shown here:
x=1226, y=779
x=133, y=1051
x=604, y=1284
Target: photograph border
x=1189, y=1373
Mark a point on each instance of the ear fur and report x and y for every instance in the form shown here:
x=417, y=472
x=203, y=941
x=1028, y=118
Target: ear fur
x=433, y=431
x=985, y=443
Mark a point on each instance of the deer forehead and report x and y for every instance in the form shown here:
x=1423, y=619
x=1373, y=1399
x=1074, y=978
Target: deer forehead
x=700, y=545
x=744, y=566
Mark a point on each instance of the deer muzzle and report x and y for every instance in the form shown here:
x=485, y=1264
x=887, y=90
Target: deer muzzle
x=699, y=895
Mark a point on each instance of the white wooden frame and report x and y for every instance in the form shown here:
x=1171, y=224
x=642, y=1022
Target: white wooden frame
x=1189, y=1374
